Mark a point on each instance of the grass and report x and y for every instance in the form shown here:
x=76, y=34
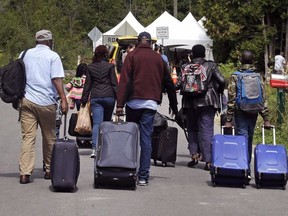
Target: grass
x=274, y=114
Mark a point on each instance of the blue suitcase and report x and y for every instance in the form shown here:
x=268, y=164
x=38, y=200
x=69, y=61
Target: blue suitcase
x=270, y=163
x=229, y=162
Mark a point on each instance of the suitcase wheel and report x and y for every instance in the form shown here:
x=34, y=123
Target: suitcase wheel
x=284, y=187
x=257, y=186
x=214, y=184
x=244, y=186
x=133, y=186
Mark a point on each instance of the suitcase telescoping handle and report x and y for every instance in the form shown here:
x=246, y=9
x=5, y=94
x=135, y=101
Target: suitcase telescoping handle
x=273, y=131
x=65, y=126
x=222, y=130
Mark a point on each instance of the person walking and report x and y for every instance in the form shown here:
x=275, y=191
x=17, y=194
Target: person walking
x=130, y=48
x=44, y=73
x=200, y=110
x=101, y=87
x=280, y=62
x=143, y=75
x=75, y=86
x=245, y=122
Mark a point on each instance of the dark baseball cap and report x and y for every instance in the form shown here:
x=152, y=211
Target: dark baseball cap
x=144, y=35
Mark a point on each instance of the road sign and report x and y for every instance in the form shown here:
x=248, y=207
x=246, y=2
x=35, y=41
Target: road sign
x=109, y=39
x=162, y=32
x=95, y=34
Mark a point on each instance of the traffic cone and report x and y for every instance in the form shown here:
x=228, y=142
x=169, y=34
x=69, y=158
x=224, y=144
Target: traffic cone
x=174, y=75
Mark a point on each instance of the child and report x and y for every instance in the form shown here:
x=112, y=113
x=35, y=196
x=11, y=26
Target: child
x=75, y=87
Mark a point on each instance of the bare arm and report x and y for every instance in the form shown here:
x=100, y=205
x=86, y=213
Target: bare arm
x=58, y=83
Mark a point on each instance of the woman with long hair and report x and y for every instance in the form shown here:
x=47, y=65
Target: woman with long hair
x=101, y=87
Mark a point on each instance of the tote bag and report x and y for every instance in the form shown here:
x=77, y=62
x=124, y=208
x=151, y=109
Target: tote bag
x=83, y=125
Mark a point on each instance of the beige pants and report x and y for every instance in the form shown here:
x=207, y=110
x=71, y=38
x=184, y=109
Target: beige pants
x=33, y=115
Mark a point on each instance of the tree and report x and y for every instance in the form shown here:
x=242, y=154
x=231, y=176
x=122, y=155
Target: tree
x=236, y=25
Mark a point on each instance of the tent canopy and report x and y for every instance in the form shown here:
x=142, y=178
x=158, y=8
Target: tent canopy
x=128, y=26
x=128, y=20
x=182, y=35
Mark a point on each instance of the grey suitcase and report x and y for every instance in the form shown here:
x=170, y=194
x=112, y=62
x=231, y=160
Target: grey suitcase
x=65, y=164
x=116, y=162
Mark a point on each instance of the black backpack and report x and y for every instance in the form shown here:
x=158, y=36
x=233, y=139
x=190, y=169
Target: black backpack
x=13, y=81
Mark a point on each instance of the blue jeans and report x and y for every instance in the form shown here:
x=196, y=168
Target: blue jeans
x=144, y=118
x=102, y=110
x=245, y=125
x=200, y=128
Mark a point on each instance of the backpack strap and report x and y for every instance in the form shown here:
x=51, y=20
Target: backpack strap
x=23, y=54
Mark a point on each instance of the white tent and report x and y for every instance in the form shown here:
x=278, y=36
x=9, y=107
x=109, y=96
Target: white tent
x=128, y=26
x=164, y=20
x=197, y=34
x=182, y=35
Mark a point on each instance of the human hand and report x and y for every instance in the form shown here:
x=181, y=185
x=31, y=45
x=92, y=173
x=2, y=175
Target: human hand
x=119, y=111
x=267, y=124
x=64, y=106
x=228, y=124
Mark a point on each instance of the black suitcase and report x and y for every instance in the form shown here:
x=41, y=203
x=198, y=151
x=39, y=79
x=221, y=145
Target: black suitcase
x=116, y=162
x=65, y=164
x=164, y=146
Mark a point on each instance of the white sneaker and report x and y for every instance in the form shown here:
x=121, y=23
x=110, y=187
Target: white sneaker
x=93, y=155
x=142, y=182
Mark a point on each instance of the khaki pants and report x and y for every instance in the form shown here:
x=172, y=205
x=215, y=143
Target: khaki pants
x=33, y=115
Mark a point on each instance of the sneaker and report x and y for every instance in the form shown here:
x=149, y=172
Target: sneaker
x=207, y=166
x=248, y=180
x=93, y=155
x=192, y=163
x=142, y=182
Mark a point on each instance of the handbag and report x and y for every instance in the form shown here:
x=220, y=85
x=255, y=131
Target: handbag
x=83, y=125
x=72, y=125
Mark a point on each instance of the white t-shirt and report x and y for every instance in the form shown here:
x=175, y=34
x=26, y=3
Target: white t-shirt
x=279, y=62
x=42, y=65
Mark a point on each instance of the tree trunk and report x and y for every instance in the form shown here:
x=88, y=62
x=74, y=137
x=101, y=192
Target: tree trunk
x=286, y=38
x=266, y=49
x=175, y=8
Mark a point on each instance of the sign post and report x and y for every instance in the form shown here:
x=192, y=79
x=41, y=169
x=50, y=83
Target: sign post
x=162, y=32
x=95, y=34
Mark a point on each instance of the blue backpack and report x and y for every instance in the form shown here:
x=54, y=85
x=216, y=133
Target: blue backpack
x=249, y=93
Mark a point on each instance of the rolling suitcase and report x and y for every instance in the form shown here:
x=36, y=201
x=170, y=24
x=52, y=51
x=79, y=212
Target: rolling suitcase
x=65, y=163
x=229, y=162
x=117, y=158
x=164, y=146
x=270, y=167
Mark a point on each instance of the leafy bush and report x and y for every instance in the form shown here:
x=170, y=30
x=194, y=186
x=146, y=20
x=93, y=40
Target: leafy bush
x=274, y=115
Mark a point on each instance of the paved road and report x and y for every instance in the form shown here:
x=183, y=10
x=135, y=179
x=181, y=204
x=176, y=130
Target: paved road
x=172, y=191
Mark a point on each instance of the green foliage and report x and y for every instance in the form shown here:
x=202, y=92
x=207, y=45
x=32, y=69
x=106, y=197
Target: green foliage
x=281, y=129
x=234, y=25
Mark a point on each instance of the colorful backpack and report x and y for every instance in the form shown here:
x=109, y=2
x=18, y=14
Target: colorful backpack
x=194, y=80
x=249, y=93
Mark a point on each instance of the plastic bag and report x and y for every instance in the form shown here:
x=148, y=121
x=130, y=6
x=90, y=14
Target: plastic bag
x=83, y=125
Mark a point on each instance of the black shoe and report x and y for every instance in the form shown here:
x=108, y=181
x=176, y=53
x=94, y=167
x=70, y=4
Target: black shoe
x=207, y=167
x=192, y=163
x=24, y=179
